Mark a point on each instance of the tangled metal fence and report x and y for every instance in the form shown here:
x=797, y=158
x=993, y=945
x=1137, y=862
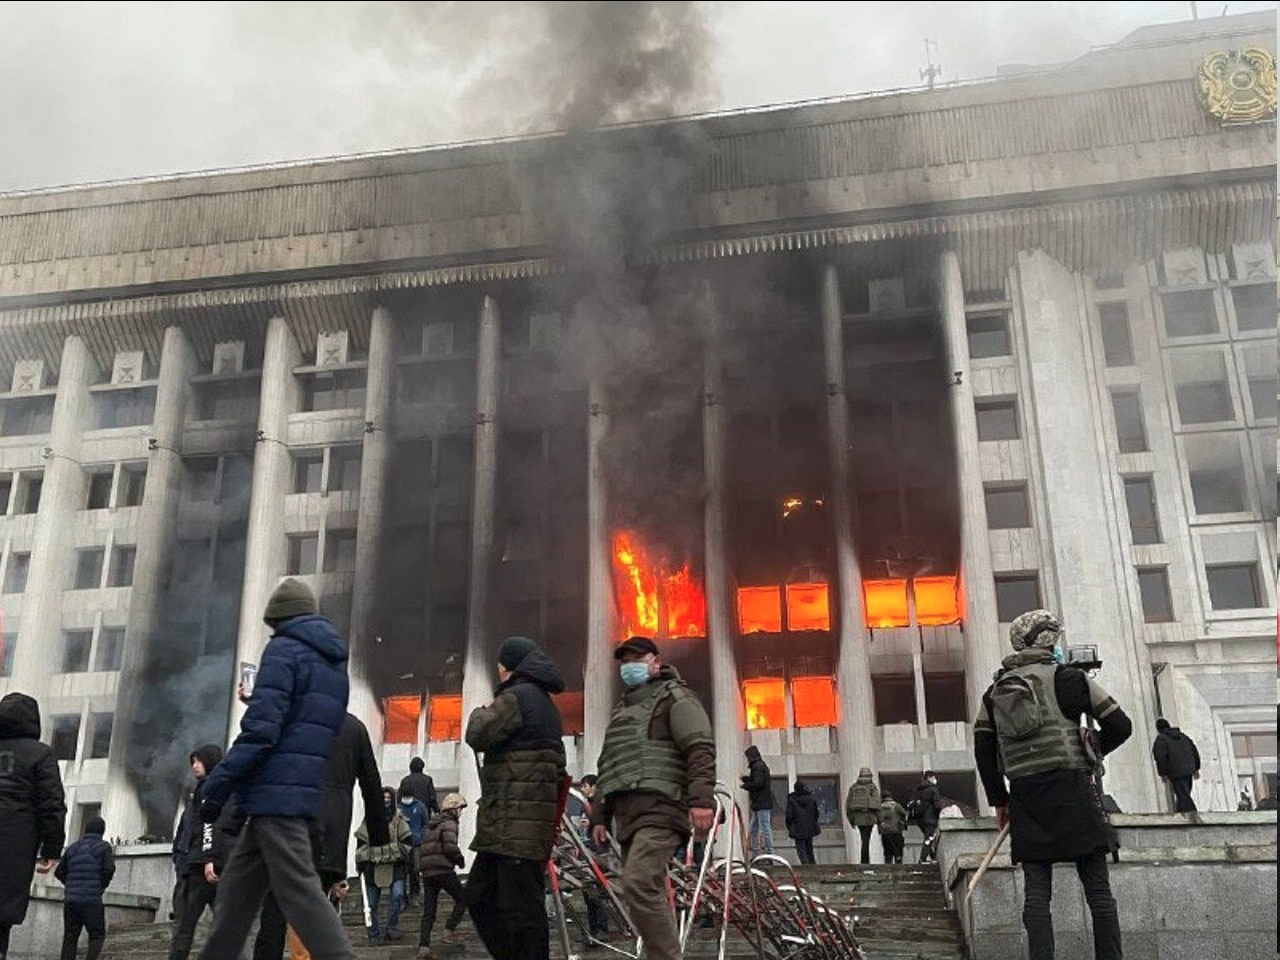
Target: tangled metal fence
x=761, y=898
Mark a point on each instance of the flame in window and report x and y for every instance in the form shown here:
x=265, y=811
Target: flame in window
x=766, y=704
x=653, y=600
x=445, y=719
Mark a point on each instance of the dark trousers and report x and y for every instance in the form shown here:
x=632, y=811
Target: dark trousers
x=1182, y=802
x=864, y=832
x=4, y=940
x=274, y=853
x=505, y=898
x=804, y=849
x=1038, y=920
x=929, y=849
x=199, y=895
x=893, y=844
x=272, y=931
x=413, y=887
x=431, y=887
x=89, y=917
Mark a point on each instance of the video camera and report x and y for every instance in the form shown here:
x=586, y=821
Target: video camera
x=1085, y=657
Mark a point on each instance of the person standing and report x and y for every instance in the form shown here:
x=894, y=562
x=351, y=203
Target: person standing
x=1177, y=762
x=32, y=809
x=522, y=780
x=383, y=869
x=579, y=810
x=891, y=819
x=277, y=768
x=861, y=807
x=85, y=872
x=657, y=784
x=423, y=789
x=198, y=884
x=1245, y=803
x=440, y=858
x=756, y=781
x=1028, y=731
x=923, y=808
x=802, y=820
x=415, y=814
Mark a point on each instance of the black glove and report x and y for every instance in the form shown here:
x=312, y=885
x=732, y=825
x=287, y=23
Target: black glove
x=459, y=862
x=210, y=811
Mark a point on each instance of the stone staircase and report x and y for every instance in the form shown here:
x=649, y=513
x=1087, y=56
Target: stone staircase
x=899, y=913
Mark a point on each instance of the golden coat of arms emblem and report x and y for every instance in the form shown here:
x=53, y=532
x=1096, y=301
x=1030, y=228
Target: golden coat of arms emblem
x=1239, y=86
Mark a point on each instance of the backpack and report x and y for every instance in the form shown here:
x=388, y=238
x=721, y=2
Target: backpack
x=862, y=797
x=1016, y=708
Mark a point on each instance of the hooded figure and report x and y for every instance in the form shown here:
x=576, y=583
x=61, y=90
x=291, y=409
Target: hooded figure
x=1177, y=762
x=861, y=807
x=802, y=820
x=32, y=808
x=756, y=781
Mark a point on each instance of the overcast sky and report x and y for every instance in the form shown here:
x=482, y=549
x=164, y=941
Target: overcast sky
x=93, y=91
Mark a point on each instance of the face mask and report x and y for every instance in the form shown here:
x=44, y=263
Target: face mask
x=634, y=674
x=1057, y=655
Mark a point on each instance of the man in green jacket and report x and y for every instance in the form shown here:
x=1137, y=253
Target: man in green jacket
x=519, y=734
x=861, y=806
x=657, y=774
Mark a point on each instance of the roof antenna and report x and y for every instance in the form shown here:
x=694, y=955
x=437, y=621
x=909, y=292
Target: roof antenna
x=931, y=72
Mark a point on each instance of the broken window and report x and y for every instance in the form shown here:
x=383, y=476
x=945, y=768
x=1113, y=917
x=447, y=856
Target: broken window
x=759, y=610
x=945, y=698
x=895, y=698
x=885, y=603
x=766, y=703
x=445, y=718
x=400, y=721
x=814, y=701
x=937, y=600
x=808, y=606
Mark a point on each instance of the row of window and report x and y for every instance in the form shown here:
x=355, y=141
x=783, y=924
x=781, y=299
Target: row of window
x=339, y=553
x=64, y=736
x=79, y=653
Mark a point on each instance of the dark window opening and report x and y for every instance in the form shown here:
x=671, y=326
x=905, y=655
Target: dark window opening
x=303, y=554
x=308, y=470
x=232, y=400
x=945, y=698
x=895, y=698
x=988, y=335
x=1131, y=430
x=1255, y=306
x=1153, y=585
x=202, y=479
x=133, y=482
x=1234, y=586
x=1007, y=507
x=65, y=737
x=344, y=469
x=1205, y=402
x=339, y=390
x=125, y=408
x=1190, y=313
x=110, y=651
x=89, y=568
x=1016, y=594
x=1140, y=498
x=1218, y=489
x=100, y=726
x=27, y=416
x=1117, y=342
x=121, y=573
x=75, y=650
x=99, y=491
x=340, y=551
x=998, y=421
x=8, y=653
x=29, y=495
x=15, y=574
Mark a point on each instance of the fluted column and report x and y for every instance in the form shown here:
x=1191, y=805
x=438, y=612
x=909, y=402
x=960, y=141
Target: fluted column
x=479, y=664
x=727, y=712
x=857, y=731
x=62, y=494
x=598, y=671
x=374, y=463
x=265, y=554
x=157, y=529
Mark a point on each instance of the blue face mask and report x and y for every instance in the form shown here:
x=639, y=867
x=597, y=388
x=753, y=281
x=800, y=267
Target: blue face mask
x=1057, y=655
x=634, y=674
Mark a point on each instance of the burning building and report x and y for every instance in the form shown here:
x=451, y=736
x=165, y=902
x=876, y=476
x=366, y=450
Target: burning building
x=821, y=396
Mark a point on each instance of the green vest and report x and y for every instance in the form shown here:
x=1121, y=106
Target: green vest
x=890, y=817
x=1056, y=745
x=629, y=760
x=863, y=795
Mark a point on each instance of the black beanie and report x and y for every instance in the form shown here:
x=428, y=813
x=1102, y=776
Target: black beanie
x=292, y=598
x=1162, y=725
x=96, y=825
x=513, y=651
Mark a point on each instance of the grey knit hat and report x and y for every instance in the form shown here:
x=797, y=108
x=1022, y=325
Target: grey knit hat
x=292, y=598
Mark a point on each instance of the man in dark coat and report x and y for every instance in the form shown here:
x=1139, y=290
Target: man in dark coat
x=862, y=808
x=441, y=856
x=277, y=768
x=32, y=808
x=85, y=872
x=1177, y=762
x=923, y=807
x=423, y=789
x=802, y=820
x=756, y=781
x=1028, y=730
x=521, y=785
x=351, y=762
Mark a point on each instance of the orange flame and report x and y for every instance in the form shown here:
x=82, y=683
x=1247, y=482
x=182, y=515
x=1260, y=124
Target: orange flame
x=644, y=589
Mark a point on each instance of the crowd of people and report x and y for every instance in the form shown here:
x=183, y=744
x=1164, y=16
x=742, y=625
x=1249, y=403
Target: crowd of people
x=264, y=833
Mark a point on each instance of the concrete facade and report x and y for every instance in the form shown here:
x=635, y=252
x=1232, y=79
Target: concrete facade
x=970, y=334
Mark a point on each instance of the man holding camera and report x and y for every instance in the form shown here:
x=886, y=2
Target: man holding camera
x=1029, y=731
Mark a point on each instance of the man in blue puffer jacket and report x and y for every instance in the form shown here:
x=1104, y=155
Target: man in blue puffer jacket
x=85, y=870
x=277, y=768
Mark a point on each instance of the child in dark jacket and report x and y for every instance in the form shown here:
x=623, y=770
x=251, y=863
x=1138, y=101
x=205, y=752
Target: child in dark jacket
x=85, y=870
x=440, y=857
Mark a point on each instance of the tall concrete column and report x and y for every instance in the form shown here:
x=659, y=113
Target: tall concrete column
x=62, y=494
x=132, y=739
x=1064, y=413
x=857, y=731
x=727, y=714
x=983, y=648
x=265, y=554
x=598, y=671
x=479, y=663
x=374, y=464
